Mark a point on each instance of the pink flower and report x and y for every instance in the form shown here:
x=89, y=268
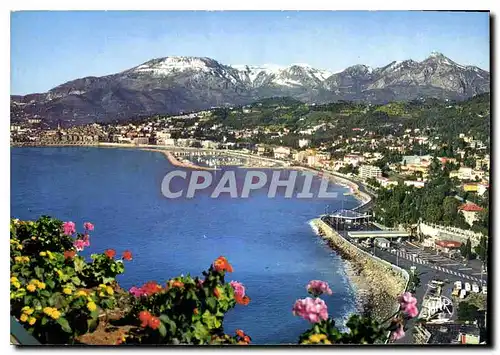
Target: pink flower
x=69, y=228
x=318, y=287
x=86, y=241
x=136, y=291
x=79, y=244
x=407, y=298
x=411, y=310
x=398, y=333
x=239, y=289
x=408, y=304
x=88, y=226
x=311, y=309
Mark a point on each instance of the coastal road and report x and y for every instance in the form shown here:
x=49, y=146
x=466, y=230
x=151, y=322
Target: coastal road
x=427, y=271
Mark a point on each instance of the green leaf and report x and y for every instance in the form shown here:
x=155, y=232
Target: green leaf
x=50, y=283
x=200, y=331
x=64, y=324
x=162, y=330
x=211, y=302
x=44, y=320
x=92, y=324
x=76, y=280
x=39, y=272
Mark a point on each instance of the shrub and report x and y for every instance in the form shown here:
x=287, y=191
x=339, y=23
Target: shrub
x=52, y=288
x=58, y=295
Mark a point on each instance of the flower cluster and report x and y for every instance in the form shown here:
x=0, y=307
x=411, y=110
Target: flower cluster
x=148, y=320
x=22, y=259
x=110, y=253
x=221, y=264
x=127, y=255
x=317, y=339
x=242, y=338
x=148, y=289
x=239, y=293
x=408, y=304
x=105, y=289
x=69, y=228
x=52, y=312
x=69, y=254
x=27, y=311
x=239, y=289
x=313, y=310
x=14, y=281
x=34, y=284
x=317, y=288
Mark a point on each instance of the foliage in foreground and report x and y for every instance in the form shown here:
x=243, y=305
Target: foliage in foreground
x=58, y=296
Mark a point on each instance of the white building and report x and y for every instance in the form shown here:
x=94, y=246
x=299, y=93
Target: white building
x=417, y=184
x=369, y=171
x=281, y=152
x=169, y=142
x=470, y=212
x=303, y=143
x=385, y=182
x=354, y=160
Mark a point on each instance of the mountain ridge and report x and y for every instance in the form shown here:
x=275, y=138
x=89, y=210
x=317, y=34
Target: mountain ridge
x=169, y=85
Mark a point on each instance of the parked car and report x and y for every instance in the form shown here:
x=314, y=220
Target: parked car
x=485, y=290
x=475, y=288
x=463, y=293
x=467, y=287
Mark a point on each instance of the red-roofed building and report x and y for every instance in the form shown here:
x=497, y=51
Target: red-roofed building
x=470, y=212
x=447, y=245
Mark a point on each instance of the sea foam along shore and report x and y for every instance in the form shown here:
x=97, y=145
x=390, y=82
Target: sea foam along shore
x=377, y=283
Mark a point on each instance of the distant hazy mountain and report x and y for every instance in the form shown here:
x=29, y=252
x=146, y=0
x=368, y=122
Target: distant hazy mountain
x=174, y=84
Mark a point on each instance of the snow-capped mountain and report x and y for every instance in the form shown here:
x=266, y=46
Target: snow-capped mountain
x=176, y=83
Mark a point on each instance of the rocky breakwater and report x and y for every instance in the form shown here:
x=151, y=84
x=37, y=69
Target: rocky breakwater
x=378, y=283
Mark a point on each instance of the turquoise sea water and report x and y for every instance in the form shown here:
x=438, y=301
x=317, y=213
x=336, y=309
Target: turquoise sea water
x=269, y=242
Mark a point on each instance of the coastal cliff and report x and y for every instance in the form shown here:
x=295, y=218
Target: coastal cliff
x=378, y=282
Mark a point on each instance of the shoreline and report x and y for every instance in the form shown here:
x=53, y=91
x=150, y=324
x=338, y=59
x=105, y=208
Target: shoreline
x=343, y=181
x=365, y=275
x=175, y=162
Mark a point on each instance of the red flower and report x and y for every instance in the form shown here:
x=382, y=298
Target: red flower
x=154, y=323
x=246, y=339
x=221, y=264
x=110, y=253
x=216, y=292
x=242, y=300
x=177, y=284
x=69, y=254
x=127, y=255
x=240, y=333
x=151, y=287
x=144, y=317
x=195, y=311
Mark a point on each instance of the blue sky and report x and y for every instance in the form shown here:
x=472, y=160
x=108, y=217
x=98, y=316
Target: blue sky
x=50, y=48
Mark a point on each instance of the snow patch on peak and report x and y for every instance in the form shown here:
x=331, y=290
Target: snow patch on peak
x=168, y=65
